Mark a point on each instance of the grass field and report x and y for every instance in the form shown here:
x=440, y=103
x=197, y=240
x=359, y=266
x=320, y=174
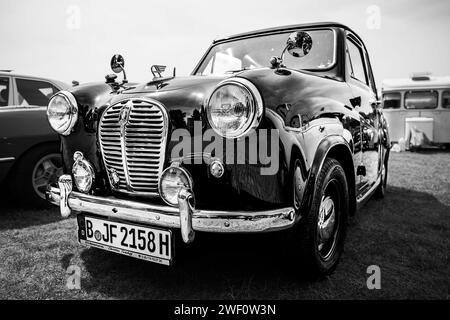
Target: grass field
x=406, y=235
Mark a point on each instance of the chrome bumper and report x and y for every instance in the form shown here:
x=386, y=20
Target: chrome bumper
x=187, y=218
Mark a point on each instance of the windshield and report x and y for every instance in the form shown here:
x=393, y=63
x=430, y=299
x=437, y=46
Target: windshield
x=255, y=52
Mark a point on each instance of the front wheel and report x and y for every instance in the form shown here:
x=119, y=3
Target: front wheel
x=321, y=234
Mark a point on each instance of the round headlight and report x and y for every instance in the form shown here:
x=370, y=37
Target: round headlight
x=83, y=173
x=172, y=180
x=234, y=108
x=62, y=112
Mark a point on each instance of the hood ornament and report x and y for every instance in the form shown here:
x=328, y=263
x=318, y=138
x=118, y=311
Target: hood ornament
x=157, y=70
x=158, y=79
x=125, y=114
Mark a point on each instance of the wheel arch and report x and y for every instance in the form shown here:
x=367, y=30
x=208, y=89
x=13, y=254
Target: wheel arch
x=27, y=151
x=338, y=148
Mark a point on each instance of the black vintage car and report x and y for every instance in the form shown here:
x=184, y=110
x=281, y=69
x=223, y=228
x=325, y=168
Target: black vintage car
x=139, y=161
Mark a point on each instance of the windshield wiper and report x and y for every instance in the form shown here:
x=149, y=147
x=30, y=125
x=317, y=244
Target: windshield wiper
x=238, y=70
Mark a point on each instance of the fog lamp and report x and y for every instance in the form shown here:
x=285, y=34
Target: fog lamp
x=172, y=180
x=83, y=173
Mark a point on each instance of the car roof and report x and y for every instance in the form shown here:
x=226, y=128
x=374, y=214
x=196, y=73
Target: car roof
x=60, y=84
x=420, y=83
x=288, y=27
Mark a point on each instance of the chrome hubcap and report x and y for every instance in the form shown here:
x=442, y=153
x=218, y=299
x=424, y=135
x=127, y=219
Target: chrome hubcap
x=297, y=188
x=326, y=222
x=46, y=171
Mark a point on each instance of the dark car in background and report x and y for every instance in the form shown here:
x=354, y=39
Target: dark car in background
x=310, y=86
x=29, y=148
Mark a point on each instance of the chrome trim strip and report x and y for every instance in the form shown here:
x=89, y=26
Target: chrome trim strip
x=7, y=159
x=15, y=108
x=169, y=217
x=123, y=123
x=362, y=199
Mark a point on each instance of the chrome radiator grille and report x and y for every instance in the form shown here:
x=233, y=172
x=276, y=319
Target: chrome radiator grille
x=132, y=137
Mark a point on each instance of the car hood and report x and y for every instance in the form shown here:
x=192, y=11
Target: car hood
x=288, y=93
x=183, y=97
x=176, y=83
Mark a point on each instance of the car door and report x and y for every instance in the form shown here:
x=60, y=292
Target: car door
x=363, y=89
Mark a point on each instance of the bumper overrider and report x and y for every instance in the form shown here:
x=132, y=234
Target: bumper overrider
x=185, y=217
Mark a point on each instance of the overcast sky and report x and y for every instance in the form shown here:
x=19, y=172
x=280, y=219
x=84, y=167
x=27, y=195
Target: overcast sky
x=72, y=39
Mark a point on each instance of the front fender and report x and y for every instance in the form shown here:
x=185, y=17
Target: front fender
x=91, y=99
x=331, y=146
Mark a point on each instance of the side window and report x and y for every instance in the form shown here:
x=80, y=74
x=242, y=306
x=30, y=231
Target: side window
x=446, y=99
x=356, y=61
x=4, y=92
x=421, y=99
x=34, y=92
x=392, y=100
x=370, y=75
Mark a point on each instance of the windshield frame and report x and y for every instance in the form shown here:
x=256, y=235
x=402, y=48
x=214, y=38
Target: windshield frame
x=195, y=72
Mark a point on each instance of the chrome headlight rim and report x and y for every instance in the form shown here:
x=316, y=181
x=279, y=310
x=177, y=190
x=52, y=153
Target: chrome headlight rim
x=73, y=112
x=79, y=160
x=175, y=166
x=257, y=106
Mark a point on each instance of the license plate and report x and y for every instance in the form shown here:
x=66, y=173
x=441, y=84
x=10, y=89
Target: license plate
x=138, y=241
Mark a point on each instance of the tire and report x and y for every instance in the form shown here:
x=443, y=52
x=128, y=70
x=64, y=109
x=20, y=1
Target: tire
x=320, y=235
x=381, y=189
x=34, y=171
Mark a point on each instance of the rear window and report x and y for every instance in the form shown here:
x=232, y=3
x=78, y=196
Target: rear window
x=446, y=99
x=421, y=100
x=391, y=100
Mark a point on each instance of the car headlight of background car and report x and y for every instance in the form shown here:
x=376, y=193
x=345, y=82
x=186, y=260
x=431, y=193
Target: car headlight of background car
x=62, y=112
x=234, y=108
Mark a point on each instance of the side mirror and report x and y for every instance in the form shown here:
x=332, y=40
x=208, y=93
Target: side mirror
x=118, y=65
x=299, y=44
